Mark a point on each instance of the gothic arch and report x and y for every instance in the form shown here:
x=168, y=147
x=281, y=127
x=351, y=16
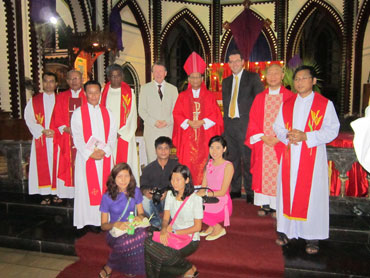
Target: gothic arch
x=266, y=31
x=144, y=30
x=362, y=20
x=81, y=15
x=194, y=23
x=292, y=39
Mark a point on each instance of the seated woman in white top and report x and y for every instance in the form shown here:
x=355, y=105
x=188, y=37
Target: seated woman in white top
x=162, y=260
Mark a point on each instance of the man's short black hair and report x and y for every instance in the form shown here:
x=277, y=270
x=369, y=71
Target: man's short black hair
x=236, y=52
x=114, y=67
x=163, y=140
x=304, y=67
x=92, y=82
x=49, y=73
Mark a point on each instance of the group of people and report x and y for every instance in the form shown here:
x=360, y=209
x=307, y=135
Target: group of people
x=272, y=143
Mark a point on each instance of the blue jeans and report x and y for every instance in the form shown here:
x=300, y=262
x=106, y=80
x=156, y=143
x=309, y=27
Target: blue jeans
x=150, y=207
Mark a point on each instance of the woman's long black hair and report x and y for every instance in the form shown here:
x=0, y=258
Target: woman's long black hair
x=112, y=187
x=185, y=172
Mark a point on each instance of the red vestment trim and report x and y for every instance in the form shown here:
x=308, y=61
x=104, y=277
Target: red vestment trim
x=62, y=116
x=126, y=101
x=42, y=163
x=95, y=194
x=255, y=126
x=302, y=191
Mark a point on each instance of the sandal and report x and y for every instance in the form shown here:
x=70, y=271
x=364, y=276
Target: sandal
x=194, y=275
x=263, y=212
x=57, y=200
x=282, y=240
x=105, y=273
x=312, y=248
x=45, y=202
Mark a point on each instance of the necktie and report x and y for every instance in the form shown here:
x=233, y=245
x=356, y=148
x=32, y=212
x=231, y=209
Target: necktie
x=160, y=92
x=234, y=98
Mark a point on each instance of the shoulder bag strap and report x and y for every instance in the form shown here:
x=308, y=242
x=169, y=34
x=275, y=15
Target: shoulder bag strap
x=124, y=211
x=177, y=212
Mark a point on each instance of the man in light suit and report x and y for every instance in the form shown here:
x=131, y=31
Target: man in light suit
x=238, y=92
x=156, y=102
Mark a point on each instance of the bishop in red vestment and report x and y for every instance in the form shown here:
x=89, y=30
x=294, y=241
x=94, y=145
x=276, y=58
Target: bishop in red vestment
x=66, y=103
x=261, y=139
x=197, y=118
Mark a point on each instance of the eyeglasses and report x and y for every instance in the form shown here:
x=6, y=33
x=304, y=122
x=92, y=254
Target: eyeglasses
x=302, y=78
x=234, y=62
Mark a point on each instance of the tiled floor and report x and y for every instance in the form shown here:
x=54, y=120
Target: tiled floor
x=27, y=264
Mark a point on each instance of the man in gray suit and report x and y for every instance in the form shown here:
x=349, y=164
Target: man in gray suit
x=238, y=92
x=156, y=102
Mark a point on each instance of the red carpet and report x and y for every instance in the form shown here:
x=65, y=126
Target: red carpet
x=247, y=250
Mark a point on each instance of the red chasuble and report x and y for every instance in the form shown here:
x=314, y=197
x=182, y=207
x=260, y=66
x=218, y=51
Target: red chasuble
x=64, y=107
x=43, y=172
x=93, y=185
x=302, y=191
x=191, y=144
x=256, y=126
x=126, y=101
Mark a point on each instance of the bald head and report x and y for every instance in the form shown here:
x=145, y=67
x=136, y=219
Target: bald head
x=274, y=76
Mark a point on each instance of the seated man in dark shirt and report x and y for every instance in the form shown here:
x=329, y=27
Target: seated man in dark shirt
x=156, y=175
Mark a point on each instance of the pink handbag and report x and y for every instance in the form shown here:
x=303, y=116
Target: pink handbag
x=175, y=241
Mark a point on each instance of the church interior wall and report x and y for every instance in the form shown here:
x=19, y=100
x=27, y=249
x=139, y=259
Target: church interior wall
x=266, y=10
x=133, y=45
x=170, y=9
x=64, y=12
x=26, y=44
x=4, y=73
x=365, y=78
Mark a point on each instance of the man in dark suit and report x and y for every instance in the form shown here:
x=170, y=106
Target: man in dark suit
x=238, y=92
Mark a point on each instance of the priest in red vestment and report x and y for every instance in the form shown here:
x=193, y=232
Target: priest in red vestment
x=197, y=118
x=118, y=97
x=261, y=139
x=66, y=103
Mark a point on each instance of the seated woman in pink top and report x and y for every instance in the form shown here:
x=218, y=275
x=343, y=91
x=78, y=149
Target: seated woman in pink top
x=217, y=176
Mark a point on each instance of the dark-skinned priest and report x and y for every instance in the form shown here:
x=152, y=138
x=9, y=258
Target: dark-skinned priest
x=197, y=118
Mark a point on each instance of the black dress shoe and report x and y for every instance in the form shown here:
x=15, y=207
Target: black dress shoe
x=234, y=195
x=250, y=199
x=95, y=229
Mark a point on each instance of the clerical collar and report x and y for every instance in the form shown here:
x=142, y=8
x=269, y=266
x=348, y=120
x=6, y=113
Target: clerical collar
x=92, y=106
x=274, y=92
x=196, y=93
x=75, y=94
x=306, y=98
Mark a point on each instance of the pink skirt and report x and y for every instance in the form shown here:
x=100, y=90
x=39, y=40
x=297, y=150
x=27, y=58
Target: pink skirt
x=223, y=215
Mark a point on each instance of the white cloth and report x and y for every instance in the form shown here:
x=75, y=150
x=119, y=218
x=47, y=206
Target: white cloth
x=262, y=199
x=127, y=132
x=85, y=214
x=193, y=209
x=207, y=122
x=239, y=75
x=317, y=224
x=36, y=131
x=361, y=141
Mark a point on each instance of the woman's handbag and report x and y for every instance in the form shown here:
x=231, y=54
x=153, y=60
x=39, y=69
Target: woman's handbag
x=175, y=241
